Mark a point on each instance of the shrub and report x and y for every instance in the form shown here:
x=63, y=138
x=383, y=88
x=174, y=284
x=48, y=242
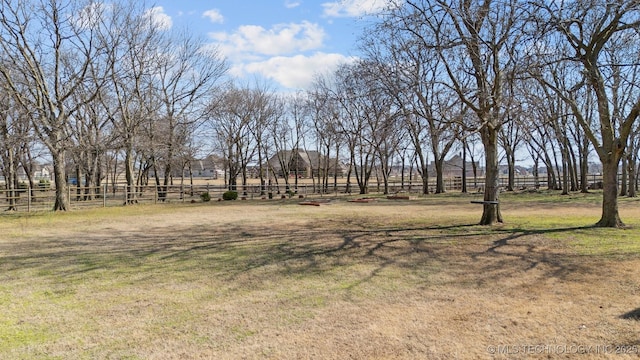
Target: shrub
x=230, y=195
x=205, y=196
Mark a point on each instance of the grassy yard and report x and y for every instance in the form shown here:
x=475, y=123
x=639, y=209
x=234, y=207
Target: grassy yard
x=276, y=280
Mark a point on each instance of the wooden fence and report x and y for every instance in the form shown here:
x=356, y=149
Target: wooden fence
x=43, y=199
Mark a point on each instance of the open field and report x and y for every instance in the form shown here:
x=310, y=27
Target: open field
x=275, y=280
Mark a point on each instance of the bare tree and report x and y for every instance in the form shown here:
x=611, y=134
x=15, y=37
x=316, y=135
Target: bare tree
x=411, y=73
x=598, y=40
x=187, y=74
x=48, y=58
x=327, y=113
x=478, y=45
x=231, y=117
x=369, y=119
x=134, y=59
x=9, y=145
x=267, y=113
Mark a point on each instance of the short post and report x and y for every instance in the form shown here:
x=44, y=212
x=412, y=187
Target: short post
x=29, y=199
x=104, y=195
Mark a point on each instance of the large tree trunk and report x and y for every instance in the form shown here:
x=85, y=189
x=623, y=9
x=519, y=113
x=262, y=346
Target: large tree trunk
x=491, y=208
x=610, y=216
x=60, y=179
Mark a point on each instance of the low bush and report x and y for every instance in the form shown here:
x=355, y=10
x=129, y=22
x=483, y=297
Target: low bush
x=205, y=196
x=230, y=195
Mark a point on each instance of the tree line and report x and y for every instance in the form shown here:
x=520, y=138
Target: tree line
x=557, y=80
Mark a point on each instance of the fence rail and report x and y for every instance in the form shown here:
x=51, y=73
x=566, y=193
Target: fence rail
x=43, y=199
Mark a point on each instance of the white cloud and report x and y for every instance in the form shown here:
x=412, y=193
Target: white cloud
x=296, y=72
x=214, y=16
x=159, y=18
x=287, y=54
x=281, y=39
x=91, y=15
x=290, y=4
x=355, y=8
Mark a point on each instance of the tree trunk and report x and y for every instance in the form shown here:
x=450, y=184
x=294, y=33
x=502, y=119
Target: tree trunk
x=584, y=172
x=10, y=174
x=511, y=166
x=27, y=166
x=60, y=180
x=439, y=163
x=464, y=168
x=573, y=169
x=261, y=172
x=491, y=208
x=551, y=175
x=536, y=175
x=610, y=216
x=161, y=192
x=632, y=176
x=565, y=176
x=423, y=169
x=335, y=168
x=128, y=169
x=79, y=189
x=623, y=177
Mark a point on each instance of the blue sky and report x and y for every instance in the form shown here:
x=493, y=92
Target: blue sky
x=282, y=41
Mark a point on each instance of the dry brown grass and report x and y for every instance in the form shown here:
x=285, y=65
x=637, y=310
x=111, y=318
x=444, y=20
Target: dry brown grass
x=275, y=280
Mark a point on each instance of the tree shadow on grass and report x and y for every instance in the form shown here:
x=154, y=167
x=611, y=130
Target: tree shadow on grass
x=631, y=315
x=478, y=254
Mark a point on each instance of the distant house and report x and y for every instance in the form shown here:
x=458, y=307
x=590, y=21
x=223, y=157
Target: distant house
x=210, y=167
x=453, y=168
x=40, y=172
x=304, y=163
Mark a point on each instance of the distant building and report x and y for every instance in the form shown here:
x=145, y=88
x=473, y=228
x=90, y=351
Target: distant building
x=40, y=172
x=453, y=168
x=211, y=167
x=304, y=163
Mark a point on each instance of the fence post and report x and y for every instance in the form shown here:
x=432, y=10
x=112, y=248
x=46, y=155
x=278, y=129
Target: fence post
x=69, y=196
x=155, y=194
x=28, y=198
x=104, y=195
